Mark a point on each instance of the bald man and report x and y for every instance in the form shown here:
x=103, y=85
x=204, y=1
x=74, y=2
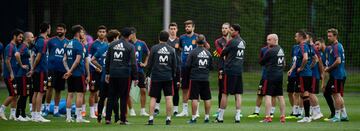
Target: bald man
x=274, y=63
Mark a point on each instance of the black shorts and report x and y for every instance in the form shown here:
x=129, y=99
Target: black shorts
x=273, y=87
x=261, y=88
x=199, y=88
x=95, y=81
x=315, y=85
x=141, y=77
x=336, y=85
x=233, y=85
x=184, y=81
x=157, y=86
x=292, y=85
x=76, y=84
x=305, y=84
x=23, y=85
x=40, y=82
x=56, y=80
x=10, y=86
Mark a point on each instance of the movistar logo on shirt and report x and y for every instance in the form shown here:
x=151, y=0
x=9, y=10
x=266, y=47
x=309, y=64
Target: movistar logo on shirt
x=203, y=54
x=119, y=47
x=163, y=50
x=59, y=52
x=187, y=49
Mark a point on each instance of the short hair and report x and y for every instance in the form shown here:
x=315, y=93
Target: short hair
x=26, y=34
x=236, y=27
x=226, y=23
x=133, y=29
x=62, y=25
x=321, y=40
x=112, y=34
x=126, y=32
x=163, y=36
x=172, y=24
x=16, y=32
x=310, y=34
x=334, y=31
x=101, y=27
x=76, y=29
x=44, y=27
x=302, y=33
x=201, y=39
x=189, y=22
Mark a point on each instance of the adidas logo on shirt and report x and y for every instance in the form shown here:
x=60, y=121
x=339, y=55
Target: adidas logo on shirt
x=241, y=45
x=163, y=50
x=203, y=55
x=281, y=53
x=119, y=47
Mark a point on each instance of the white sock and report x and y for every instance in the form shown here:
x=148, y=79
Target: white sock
x=2, y=108
x=42, y=107
x=343, y=112
x=238, y=111
x=68, y=113
x=272, y=110
x=176, y=108
x=83, y=108
x=337, y=114
x=30, y=107
x=317, y=109
x=157, y=106
x=221, y=114
x=312, y=110
x=142, y=110
x=185, y=107
x=13, y=111
x=78, y=113
x=92, y=110
x=56, y=109
x=207, y=116
x=32, y=114
x=151, y=117
x=37, y=114
x=96, y=107
x=297, y=110
x=193, y=117
x=168, y=118
x=294, y=110
x=301, y=111
x=47, y=106
x=257, y=109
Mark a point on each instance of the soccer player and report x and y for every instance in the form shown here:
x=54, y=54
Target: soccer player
x=142, y=56
x=39, y=71
x=232, y=69
x=304, y=70
x=98, y=59
x=337, y=72
x=173, y=42
x=10, y=68
x=187, y=42
x=29, y=40
x=95, y=73
x=73, y=62
x=22, y=81
x=56, y=69
x=274, y=63
x=220, y=44
x=315, y=55
x=292, y=85
x=262, y=88
x=121, y=70
x=162, y=68
x=198, y=66
x=327, y=92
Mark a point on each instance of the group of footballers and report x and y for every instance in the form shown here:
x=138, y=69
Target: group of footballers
x=118, y=61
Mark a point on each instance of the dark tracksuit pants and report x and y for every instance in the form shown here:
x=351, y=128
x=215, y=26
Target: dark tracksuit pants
x=118, y=88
